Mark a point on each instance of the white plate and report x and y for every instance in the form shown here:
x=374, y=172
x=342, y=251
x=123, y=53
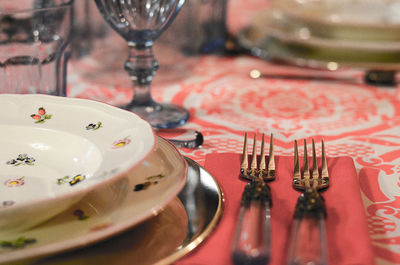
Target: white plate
x=107, y=211
x=278, y=34
x=368, y=14
x=55, y=150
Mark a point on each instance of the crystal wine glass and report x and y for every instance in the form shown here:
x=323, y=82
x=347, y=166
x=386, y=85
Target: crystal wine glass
x=140, y=23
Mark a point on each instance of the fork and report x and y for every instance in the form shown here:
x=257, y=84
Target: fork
x=308, y=239
x=252, y=242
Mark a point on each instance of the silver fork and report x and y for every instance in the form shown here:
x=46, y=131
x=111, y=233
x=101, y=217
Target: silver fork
x=308, y=239
x=252, y=240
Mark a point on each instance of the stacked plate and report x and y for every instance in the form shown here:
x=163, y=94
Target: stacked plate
x=328, y=33
x=75, y=171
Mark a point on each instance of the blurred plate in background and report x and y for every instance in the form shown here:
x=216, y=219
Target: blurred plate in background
x=327, y=34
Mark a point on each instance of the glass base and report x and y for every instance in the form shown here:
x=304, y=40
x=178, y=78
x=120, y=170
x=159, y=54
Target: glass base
x=160, y=115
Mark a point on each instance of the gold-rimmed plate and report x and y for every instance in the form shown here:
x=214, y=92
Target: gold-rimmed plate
x=139, y=195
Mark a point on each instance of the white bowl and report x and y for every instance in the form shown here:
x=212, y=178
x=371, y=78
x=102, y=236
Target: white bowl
x=53, y=150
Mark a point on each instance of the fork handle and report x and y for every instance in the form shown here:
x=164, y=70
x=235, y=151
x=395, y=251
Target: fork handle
x=308, y=239
x=252, y=243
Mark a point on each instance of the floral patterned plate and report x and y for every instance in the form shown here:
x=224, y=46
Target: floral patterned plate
x=54, y=150
x=108, y=211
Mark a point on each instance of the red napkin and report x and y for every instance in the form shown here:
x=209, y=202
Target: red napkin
x=347, y=234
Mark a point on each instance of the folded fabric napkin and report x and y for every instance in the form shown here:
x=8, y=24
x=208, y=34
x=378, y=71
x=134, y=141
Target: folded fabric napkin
x=347, y=234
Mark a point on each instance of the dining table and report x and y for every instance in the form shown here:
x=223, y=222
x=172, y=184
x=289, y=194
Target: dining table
x=359, y=122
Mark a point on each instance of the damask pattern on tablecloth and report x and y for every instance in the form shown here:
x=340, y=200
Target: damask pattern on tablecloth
x=354, y=119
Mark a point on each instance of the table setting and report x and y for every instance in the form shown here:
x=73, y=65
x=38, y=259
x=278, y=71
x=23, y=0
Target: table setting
x=199, y=132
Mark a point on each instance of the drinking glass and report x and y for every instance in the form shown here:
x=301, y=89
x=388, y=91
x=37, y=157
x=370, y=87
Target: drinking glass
x=34, y=37
x=140, y=23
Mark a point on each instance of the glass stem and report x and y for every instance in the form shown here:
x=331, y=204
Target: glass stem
x=141, y=67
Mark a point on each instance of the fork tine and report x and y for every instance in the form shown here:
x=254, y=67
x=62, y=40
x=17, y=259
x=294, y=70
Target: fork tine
x=271, y=161
x=324, y=164
x=245, y=163
x=306, y=174
x=262, y=158
x=253, y=166
x=297, y=173
x=315, y=173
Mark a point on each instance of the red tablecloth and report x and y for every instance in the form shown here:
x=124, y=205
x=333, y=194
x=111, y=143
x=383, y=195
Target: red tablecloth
x=355, y=119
